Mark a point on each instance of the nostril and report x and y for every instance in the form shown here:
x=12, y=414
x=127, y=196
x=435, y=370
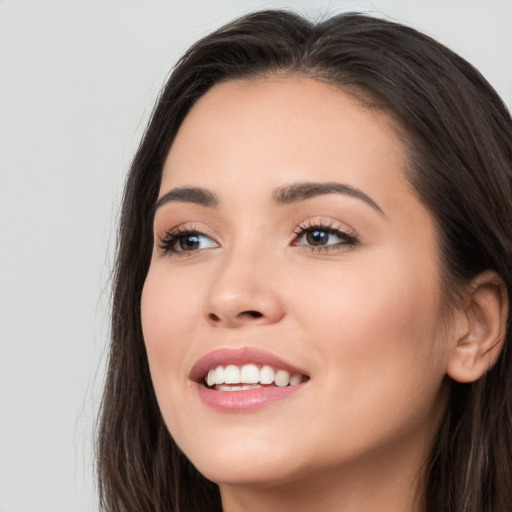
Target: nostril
x=253, y=314
x=213, y=317
x=219, y=320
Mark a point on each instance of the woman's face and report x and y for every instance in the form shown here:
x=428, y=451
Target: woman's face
x=290, y=247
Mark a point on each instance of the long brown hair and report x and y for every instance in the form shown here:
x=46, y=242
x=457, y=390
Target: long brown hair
x=458, y=134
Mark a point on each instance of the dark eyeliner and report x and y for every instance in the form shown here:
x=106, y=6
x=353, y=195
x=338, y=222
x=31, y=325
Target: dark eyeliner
x=349, y=240
x=170, y=238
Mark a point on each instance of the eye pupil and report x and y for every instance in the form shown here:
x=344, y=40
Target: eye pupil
x=317, y=237
x=189, y=242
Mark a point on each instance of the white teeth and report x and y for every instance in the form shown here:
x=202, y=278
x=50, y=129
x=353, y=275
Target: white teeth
x=295, y=379
x=221, y=387
x=219, y=375
x=236, y=388
x=282, y=378
x=232, y=374
x=249, y=376
x=249, y=386
x=267, y=375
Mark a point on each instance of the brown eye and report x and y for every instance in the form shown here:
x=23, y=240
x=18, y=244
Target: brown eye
x=189, y=242
x=324, y=238
x=317, y=237
x=185, y=241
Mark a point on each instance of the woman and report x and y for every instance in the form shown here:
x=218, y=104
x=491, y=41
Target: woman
x=313, y=280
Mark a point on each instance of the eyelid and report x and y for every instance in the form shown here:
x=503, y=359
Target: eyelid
x=326, y=224
x=349, y=236
x=169, y=236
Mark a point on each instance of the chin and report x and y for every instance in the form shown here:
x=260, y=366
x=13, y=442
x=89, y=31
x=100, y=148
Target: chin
x=244, y=464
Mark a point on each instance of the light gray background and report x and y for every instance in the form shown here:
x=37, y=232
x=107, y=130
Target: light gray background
x=77, y=83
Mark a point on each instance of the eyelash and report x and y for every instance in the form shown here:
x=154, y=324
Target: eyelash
x=349, y=240
x=167, y=243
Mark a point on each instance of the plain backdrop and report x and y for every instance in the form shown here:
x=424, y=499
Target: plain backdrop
x=77, y=84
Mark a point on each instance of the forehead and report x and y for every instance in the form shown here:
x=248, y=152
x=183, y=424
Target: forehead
x=276, y=130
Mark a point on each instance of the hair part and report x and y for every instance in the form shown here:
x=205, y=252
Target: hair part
x=458, y=136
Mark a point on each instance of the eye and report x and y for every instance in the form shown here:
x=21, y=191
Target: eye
x=324, y=237
x=185, y=241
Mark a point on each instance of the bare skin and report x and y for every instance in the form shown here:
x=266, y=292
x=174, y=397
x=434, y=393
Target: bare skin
x=343, y=284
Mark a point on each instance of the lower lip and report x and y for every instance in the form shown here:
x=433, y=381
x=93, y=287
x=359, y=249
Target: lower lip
x=245, y=400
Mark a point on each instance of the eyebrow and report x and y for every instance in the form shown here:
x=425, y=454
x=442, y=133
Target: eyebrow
x=286, y=194
x=301, y=191
x=195, y=195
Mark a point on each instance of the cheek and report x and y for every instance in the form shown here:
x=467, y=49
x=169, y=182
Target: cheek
x=382, y=332
x=379, y=344
x=370, y=298
x=169, y=313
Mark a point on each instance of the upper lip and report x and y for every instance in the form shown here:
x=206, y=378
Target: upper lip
x=239, y=356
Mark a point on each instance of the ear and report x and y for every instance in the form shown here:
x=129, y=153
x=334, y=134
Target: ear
x=484, y=318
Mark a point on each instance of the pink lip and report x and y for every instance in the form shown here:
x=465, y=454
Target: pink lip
x=246, y=400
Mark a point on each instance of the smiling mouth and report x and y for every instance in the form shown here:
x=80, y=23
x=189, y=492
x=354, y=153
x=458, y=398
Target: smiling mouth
x=250, y=376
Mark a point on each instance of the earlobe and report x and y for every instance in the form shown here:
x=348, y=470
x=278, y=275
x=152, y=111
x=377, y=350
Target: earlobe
x=477, y=349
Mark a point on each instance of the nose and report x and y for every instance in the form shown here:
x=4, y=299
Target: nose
x=244, y=292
